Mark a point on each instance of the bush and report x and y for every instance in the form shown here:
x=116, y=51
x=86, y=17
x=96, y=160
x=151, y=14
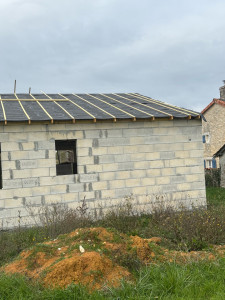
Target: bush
x=212, y=177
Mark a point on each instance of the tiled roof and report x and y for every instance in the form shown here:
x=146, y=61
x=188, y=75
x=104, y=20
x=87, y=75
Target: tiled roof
x=220, y=151
x=215, y=101
x=71, y=107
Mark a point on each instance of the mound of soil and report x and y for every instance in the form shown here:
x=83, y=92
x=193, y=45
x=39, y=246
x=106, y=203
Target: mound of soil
x=95, y=257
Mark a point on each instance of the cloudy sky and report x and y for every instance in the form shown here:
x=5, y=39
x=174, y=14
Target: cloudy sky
x=172, y=50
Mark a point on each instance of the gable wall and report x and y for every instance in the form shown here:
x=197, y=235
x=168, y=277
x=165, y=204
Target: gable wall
x=215, y=125
x=154, y=161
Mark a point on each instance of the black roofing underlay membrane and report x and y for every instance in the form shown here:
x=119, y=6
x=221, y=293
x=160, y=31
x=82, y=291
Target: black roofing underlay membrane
x=67, y=107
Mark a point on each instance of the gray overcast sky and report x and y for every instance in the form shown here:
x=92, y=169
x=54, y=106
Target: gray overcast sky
x=169, y=50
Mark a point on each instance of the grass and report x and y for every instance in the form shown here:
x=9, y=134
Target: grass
x=165, y=281
x=215, y=196
x=185, y=230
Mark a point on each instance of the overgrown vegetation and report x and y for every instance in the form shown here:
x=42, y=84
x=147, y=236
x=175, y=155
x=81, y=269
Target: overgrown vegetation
x=184, y=230
x=202, y=280
x=212, y=177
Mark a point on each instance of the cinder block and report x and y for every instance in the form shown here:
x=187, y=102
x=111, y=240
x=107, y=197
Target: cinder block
x=10, y=146
x=167, y=155
x=104, y=159
x=177, y=163
x=156, y=164
x=117, y=184
x=86, y=160
x=148, y=181
x=110, y=167
x=52, y=199
x=76, y=187
x=86, y=195
x=168, y=171
x=8, y=165
x=6, y=174
x=113, y=142
x=138, y=157
x=115, y=133
x=30, y=182
x=52, y=171
x=12, y=184
x=107, y=176
x=163, y=180
x=72, y=199
x=122, y=174
x=18, y=137
x=92, y=133
x=4, y=137
x=84, y=143
x=40, y=172
x=132, y=182
x=99, y=151
x=139, y=190
x=6, y=194
x=33, y=201
x=46, y=163
x=125, y=166
x=101, y=185
x=82, y=152
x=124, y=192
x=13, y=203
x=184, y=187
x=153, y=156
x=40, y=190
x=88, y=177
x=122, y=158
x=26, y=164
x=138, y=174
x=108, y=194
x=58, y=189
x=27, y=173
x=177, y=179
x=46, y=145
x=93, y=168
x=28, y=146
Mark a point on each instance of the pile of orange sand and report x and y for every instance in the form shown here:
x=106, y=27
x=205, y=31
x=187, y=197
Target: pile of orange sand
x=92, y=257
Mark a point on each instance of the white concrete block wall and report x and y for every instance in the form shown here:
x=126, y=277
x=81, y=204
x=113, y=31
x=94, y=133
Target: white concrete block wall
x=153, y=161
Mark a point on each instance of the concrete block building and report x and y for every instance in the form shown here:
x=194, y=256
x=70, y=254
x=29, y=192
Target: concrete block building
x=102, y=147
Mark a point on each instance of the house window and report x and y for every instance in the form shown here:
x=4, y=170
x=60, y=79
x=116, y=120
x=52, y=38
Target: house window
x=0, y=167
x=210, y=163
x=66, y=157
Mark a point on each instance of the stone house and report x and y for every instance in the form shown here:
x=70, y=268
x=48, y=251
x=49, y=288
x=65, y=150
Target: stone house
x=220, y=154
x=102, y=147
x=213, y=130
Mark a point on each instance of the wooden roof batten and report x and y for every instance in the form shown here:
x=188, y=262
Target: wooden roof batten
x=125, y=112
x=45, y=111
x=3, y=110
x=73, y=119
x=77, y=105
x=26, y=114
x=170, y=106
x=114, y=118
x=87, y=107
x=170, y=116
x=152, y=117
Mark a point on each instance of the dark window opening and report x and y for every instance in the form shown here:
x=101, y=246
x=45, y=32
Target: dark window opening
x=0, y=167
x=66, y=157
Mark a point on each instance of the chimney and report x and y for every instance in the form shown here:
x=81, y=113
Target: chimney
x=222, y=92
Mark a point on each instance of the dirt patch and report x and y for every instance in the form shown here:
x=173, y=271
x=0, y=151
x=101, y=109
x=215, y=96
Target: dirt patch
x=96, y=257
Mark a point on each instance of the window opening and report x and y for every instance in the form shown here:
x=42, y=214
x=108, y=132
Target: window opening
x=66, y=157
